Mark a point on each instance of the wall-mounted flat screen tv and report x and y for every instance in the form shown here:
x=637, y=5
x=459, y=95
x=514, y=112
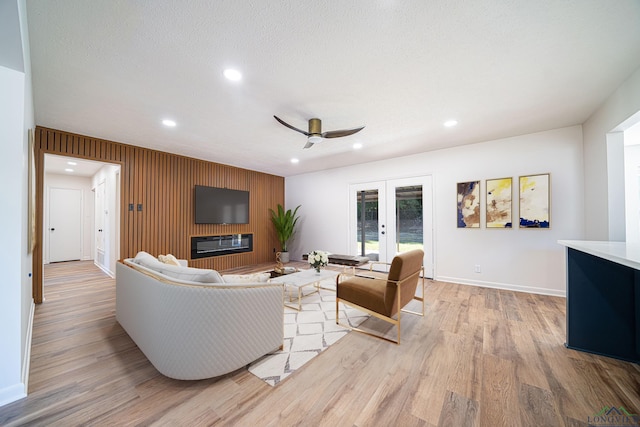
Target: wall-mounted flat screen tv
x=221, y=205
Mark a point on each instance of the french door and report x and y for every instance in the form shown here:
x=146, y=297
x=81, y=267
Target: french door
x=390, y=217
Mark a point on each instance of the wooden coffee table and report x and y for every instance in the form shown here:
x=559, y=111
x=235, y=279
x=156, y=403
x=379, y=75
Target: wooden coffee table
x=300, y=280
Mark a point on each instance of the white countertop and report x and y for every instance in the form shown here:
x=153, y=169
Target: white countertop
x=618, y=252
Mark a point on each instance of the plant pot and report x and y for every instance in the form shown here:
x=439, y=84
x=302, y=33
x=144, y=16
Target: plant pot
x=284, y=257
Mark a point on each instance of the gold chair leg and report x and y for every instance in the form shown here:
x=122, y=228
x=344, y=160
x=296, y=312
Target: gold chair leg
x=372, y=313
x=380, y=316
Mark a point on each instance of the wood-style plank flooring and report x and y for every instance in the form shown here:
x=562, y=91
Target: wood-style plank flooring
x=480, y=357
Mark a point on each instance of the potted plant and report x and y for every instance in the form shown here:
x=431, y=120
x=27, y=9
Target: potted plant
x=284, y=223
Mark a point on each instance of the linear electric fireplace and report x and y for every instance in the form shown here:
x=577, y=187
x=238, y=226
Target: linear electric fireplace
x=208, y=246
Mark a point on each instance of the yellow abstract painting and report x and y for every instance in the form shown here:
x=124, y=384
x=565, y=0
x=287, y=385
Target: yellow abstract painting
x=499, y=202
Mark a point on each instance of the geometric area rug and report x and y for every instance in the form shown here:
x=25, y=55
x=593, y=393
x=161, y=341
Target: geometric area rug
x=307, y=333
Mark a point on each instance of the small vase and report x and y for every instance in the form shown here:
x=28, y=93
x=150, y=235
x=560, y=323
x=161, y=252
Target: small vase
x=317, y=270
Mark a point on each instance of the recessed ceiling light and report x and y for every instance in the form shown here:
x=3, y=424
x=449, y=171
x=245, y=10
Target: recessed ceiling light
x=68, y=170
x=294, y=160
x=450, y=123
x=72, y=163
x=169, y=123
x=233, y=75
x=357, y=146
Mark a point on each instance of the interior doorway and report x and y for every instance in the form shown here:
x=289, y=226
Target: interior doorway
x=69, y=188
x=623, y=181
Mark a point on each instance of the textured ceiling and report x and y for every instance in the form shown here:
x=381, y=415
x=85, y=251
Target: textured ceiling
x=60, y=165
x=115, y=69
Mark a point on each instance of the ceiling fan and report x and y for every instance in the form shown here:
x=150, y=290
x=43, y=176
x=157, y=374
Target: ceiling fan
x=315, y=134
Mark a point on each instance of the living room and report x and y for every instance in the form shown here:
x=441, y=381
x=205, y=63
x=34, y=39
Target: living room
x=585, y=197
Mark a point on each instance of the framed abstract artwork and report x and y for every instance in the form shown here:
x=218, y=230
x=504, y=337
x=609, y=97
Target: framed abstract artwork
x=534, y=201
x=468, y=204
x=499, y=203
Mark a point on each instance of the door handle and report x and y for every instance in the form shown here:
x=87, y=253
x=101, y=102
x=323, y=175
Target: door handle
x=52, y=229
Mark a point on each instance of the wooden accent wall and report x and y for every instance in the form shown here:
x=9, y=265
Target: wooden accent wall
x=164, y=184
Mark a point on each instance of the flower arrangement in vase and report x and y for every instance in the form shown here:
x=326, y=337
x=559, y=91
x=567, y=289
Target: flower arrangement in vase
x=318, y=259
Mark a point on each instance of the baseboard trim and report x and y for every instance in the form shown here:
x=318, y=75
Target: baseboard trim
x=12, y=393
x=504, y=286
x=26, y=362
x=19, y=391
x=105, y=270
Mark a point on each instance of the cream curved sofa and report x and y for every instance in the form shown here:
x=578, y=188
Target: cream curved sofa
x=191, y=330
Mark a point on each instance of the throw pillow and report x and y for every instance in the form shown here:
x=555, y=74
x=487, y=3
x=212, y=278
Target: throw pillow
x=191, y=274
x=146, y=259
x=177, y=272
x=168, y=259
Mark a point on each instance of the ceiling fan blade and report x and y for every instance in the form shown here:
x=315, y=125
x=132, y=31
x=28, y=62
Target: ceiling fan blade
x=291, y=127
x=339, y=133
x=308, y=145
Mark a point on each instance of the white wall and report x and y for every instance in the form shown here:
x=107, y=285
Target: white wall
x=621, y=105
x=520, y=259
x=52, y=180
x=11, y=221
x=632, y=184
x=16, y=116
x=615, y=186
x=632, y=207
x=11, y=54
x=27, y=304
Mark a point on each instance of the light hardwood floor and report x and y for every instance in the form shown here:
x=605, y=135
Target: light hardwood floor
x=480, y=357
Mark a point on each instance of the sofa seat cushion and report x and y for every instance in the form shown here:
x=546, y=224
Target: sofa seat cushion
x=246, y=278
x=191, y=274
x=368, y=290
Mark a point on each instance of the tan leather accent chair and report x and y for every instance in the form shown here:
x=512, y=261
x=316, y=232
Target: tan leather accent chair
x=384, y=295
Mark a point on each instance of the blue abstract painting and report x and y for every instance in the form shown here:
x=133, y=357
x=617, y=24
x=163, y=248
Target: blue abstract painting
x=469, y=204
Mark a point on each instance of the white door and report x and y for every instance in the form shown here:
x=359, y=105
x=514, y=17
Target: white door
x=390, y=217
x=65, y=224
x=100, y=223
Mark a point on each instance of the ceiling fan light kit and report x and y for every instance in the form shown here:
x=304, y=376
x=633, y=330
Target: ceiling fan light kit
x=315, y=134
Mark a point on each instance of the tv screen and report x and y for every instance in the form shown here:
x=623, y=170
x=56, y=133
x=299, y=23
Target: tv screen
x=221, y=205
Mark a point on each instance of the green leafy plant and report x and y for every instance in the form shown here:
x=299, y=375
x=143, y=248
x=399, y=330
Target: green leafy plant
x=285, y=223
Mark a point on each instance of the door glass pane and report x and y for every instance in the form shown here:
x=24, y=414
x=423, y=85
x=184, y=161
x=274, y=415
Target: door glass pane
x=409, y=227
x=367, y=229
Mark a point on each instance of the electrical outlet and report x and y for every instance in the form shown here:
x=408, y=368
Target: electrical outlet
x=477, y=268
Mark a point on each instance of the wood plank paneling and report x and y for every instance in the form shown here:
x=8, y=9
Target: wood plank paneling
x=163, y=184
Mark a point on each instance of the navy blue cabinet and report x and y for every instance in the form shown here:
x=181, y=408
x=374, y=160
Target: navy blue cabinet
x=603, y=306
